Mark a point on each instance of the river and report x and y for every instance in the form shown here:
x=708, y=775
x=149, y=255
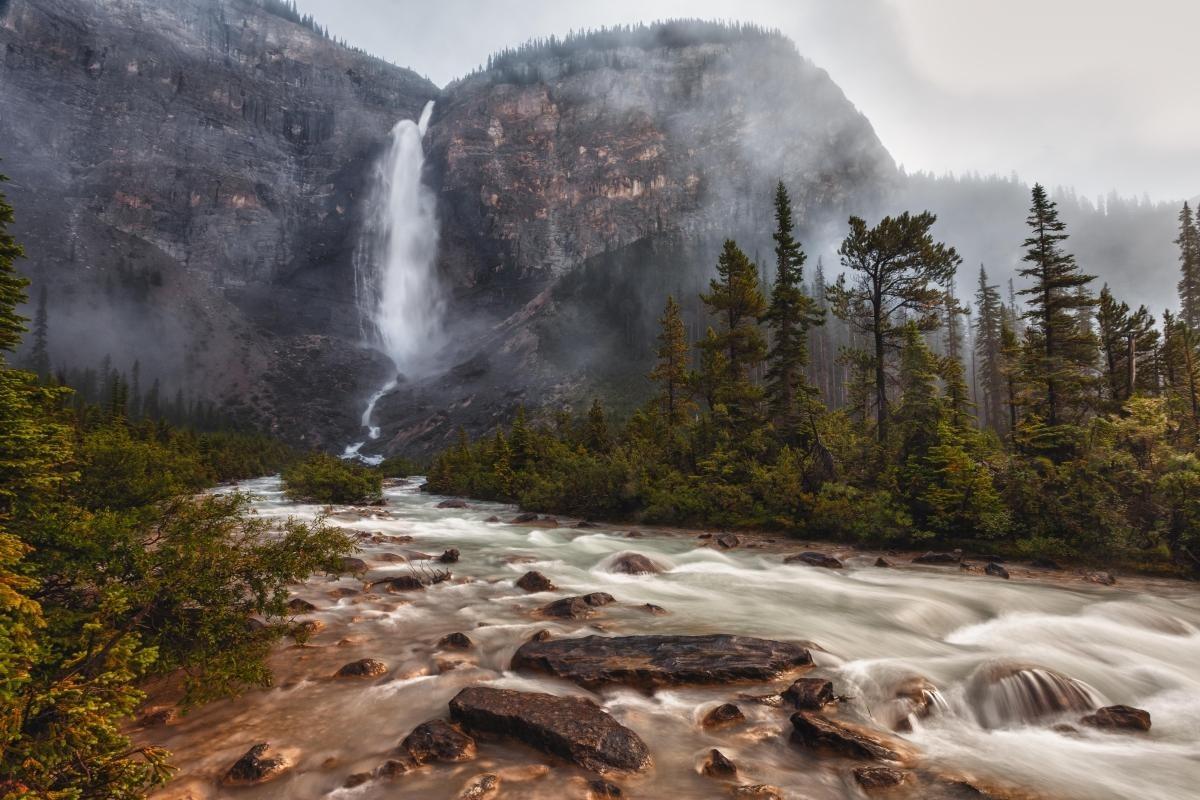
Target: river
x=873, y=629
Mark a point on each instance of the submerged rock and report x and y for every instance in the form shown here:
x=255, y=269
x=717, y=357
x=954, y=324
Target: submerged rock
x=603, y=790
x=809, y=694
x=255, y=767
x=400, y=583
x=727, y=541
x=827, y=735
x=573, y=728
x=718, y=765
x=483, y=787
x=996, y=570
x=453, y=503
x=355, y=566
x=363, y=668
x=1102, y=578
x=524, y=518
x=534, y=581
x=437, y=741
x=567, y=608
x=357, y=779
x=814, y=559
x=456, y=641
x=650, y=661
x=599, y=599
x=758, y=791
x=882, y=562
x=657, y=611
x=722, y=716
x=449, y=556
x=1002, y=693
x=300, y=606
x=634, y=564
x=1126, y=718
x=874, y=779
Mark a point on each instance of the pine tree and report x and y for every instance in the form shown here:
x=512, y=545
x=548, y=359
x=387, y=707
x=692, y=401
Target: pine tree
x=596, y=436
x=736, y=300
x=671, y=370
x=952, y=369
x=1061, y=354
x=135, y=391
x=39, y=353
x=1189, y=266
x=1128, y=341
x=898, y=271
x=791, y=400
x=988, y=343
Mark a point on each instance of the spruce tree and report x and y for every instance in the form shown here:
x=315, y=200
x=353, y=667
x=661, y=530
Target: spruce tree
x=1189, y=267
x=671, y=369
x=988, y=341
x=39, y=353
x=1061, y=352
x=1128, y=341
x=898, y=271
x=791, y=400
x=736, y=300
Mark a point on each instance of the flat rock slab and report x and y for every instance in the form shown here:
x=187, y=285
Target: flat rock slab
x=650, y=661
x=824, y=734
x=573, y=728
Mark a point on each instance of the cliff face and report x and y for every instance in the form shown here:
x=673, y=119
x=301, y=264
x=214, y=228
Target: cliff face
x=187, y=176
x=580, y=183
x=191, y=177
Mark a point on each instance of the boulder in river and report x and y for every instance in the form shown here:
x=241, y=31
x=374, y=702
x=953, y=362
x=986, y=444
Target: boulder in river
x=400, y=583
x=481, y=788
x=256, y=767
x=727, y=541
x=456, y=641
x=633, y=564
x=722, y=716
x=650, y=661
x=882, y=562
x=1102, y=578
x=824, y=734
x=1124, y=718
x=567, y=608
x=603, y=790
x=657, y=611
x=809, y=694
x=814, y=559
x=996, y=570
x=1003, y=694
x=363, y=668
x=757, y=791
x=599, y=599
x=437, y=741
x=449, y=556
x=534, y=581
x=523, y=518
x=877, y=779
x=355, y=566
x=718, y=765
x=573, y=728
x=937, y=558
x=453, y=503
x=299, y=605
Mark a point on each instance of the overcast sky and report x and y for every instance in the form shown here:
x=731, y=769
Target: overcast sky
x=1095, y=94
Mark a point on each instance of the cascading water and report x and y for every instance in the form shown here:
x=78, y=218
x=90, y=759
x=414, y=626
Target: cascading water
x=395, y=280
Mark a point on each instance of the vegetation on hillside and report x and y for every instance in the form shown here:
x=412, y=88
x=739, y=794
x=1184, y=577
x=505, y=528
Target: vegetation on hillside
x=114, y=569
x=1068, y=428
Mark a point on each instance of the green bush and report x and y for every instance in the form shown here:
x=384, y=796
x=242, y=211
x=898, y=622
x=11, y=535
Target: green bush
x=322, y=478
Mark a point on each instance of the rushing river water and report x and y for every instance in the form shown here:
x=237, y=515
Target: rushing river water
x=877, y=630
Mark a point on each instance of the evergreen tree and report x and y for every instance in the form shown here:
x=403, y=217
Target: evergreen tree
x=596, y=436
x=671, y=370
x=152, y=408
x=135, y=391
x=988, y=342
x=1189, y=266
x=1128, y=341
x=1060, y=353
x=898, y=270
x=792, y=402
x=735, y=299
x=39, y=353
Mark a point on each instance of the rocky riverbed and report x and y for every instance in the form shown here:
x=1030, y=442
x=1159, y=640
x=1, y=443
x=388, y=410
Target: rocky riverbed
x=466, y=654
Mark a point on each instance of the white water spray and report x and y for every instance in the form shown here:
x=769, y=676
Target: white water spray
x=395, y=278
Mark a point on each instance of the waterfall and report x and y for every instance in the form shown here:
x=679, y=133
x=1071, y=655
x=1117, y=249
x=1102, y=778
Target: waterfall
x=395, y=280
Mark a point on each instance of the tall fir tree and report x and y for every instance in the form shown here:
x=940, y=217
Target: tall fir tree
x=1061, y=353
x=989, y=321
x=792, y=402
x=39, y=352
x=671, y=371
x=736, y=300
x=1189, y=267
x=898, y=270
x=1128, y=341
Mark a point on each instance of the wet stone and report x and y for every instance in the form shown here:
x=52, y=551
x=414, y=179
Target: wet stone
x=727, y=541
x=357, y=779
x=718, y=765
x=757, y=791
x=823, y=734
x=456, y=641
x=299, y=606
x=363, y=668
x=995, y=570
x=809, y=694
x=722, y=716
x=603, y=790
x=875, y=779
x=882, y=562
x=573, y=728
x=256, y=767
x=352, y=565
x=657, y=611
x=634, y=564
x=534, y=581
x=450, y=556
x=400, y=583
x=567, y=608
x=453, y=503
x=1102, y=578
x=437, y=741
x=814, y=559
x=483, y=787
x=650, y=661
x=1124, y=718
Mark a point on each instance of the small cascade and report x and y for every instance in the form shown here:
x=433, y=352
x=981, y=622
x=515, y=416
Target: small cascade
x=1003, y=694
x=395, y=271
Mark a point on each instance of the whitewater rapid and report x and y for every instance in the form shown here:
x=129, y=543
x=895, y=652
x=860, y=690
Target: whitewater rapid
x=872, y=630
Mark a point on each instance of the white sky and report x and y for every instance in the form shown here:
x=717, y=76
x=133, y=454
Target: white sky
x=1095, y=94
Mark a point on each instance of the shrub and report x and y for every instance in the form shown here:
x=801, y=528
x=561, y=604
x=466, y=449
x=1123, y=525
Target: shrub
x=322, y=478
